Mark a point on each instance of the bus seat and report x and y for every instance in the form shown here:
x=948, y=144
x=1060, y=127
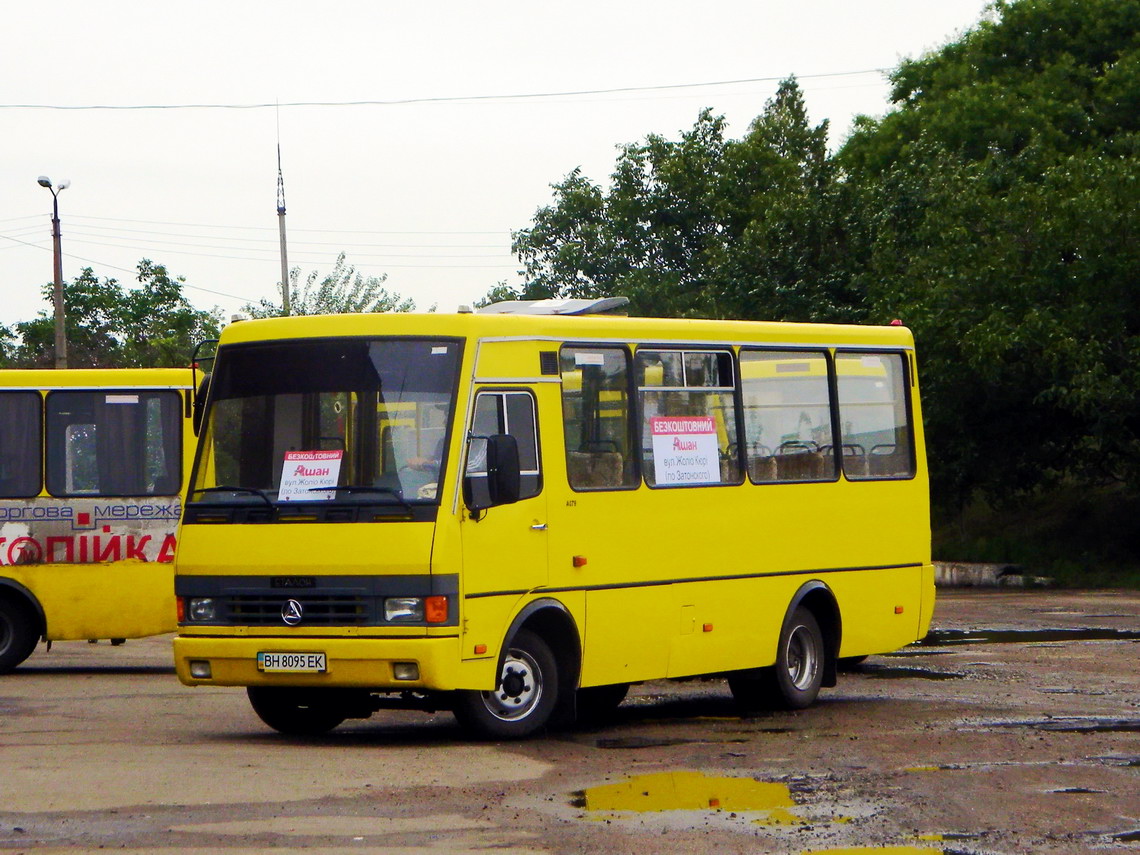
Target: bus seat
x=762, y=468
x=883, y=461
x=594, y=468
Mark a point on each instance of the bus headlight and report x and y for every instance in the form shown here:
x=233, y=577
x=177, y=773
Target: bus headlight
x=404, y=608
x=202, y=609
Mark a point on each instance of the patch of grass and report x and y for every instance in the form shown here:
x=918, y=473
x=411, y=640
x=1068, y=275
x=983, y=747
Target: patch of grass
x=1080, y=537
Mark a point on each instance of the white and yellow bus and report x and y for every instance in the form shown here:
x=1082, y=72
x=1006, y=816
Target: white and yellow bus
x=91, y=482
x=516, y=514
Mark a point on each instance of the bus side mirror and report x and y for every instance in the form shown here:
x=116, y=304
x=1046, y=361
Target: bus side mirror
x=493, y=475
x=200, y=403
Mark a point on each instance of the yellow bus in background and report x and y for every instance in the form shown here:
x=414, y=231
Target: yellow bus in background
x=515, y=514
x=91, y=481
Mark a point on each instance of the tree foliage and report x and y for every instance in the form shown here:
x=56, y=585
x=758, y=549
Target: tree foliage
x=110, y=326
x=344, y=290
x=704, y=225
x=1001, y=195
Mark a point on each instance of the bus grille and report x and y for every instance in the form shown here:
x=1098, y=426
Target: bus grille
x=317, y=610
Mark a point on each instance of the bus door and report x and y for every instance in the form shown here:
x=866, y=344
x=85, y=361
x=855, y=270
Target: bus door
x=505, y=547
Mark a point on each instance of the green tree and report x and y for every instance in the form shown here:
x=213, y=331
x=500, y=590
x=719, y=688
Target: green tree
x=1000, y=198
x=342, y=291
x=704, y=225
x=109, y=326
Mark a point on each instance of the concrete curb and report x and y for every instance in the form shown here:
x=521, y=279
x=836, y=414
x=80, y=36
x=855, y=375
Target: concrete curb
x=961, y=574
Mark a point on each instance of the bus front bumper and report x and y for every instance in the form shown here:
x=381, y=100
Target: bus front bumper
x=380, y=664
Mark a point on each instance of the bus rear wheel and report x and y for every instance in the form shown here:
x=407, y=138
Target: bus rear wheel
x=18, y=635
x=793, y=683
x=294, y=711
x=525, y=697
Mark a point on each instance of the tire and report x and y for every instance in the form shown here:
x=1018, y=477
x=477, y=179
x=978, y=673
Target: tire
x=18, y=634
x=597, y=703
x=297, y=712
x=793, y=683
x=524, y=699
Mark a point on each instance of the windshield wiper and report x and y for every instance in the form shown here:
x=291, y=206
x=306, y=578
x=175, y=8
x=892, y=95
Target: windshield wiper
x=398, y=495
x=225, y=488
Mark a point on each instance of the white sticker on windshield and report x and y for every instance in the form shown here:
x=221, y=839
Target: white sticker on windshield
x=308, y=476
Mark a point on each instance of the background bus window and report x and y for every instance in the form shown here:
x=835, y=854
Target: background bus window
x=596, y=422
x=688, y=403
x=510, y=413
x=21, y=429
x=787, y=416
x=873, y=415
x=103, y=443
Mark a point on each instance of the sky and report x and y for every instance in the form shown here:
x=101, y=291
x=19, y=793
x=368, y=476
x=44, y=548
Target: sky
x=472, y=112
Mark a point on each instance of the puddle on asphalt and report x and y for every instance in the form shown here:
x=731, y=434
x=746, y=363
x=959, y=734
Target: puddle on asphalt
x=694, y=791
x=947, y=637
x=1076, y=724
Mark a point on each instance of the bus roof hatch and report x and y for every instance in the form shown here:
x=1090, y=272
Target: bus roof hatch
x=600, y=306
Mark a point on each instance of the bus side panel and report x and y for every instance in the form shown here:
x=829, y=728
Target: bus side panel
x=628, y=634
x=728, y=625
x=126, y=599
x=881, y=609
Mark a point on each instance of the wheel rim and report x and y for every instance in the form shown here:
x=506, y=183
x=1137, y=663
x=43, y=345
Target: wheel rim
x=519, y=689
x=802, y=658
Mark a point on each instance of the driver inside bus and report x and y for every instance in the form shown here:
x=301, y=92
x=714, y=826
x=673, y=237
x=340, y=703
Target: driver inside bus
x=419, y=474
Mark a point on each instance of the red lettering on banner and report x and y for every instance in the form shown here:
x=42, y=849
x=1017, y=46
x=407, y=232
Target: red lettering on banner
x=68, y=549
x=166, y=553
x=135, y=549
x=113, y=552
x=25, y=550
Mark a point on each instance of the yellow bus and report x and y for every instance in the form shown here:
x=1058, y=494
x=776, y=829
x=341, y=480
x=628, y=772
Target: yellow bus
x=514, y=514
x=91, y=480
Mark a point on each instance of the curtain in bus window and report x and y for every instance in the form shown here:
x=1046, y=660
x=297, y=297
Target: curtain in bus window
x=113, y=443
x=787, y=415
x=873, y=415
x=21, y=427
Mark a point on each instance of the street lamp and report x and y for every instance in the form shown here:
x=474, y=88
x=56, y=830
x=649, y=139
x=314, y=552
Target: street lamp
x=60, y=334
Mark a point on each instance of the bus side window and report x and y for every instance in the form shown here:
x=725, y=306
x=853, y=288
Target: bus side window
x=874, y=415
x=114, y=443
x=21, y=429
x=787, y=415
x=688, y=412
x=595, y=418
x=511, y=413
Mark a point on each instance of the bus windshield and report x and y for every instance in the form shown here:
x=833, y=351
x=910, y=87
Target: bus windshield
x=323, y=420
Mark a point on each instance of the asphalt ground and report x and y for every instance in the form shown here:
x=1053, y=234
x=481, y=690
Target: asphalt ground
x=1014, y=728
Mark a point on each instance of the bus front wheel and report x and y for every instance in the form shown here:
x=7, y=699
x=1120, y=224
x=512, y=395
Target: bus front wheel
x=18, y=635
x=296, y=712
x=525, y=697
x=793, y=683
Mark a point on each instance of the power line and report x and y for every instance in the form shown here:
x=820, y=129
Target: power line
x=267, y=229
x=442, y=99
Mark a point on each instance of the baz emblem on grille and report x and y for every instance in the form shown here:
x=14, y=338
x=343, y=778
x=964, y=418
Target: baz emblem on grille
x=292, y=612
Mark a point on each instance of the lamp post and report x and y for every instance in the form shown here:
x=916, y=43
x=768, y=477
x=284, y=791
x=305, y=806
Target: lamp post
x=60, y=333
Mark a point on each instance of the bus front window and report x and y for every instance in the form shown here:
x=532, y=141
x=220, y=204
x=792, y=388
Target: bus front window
x=326, y=419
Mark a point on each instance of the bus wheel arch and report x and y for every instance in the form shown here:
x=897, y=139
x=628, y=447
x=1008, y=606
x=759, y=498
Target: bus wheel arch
x=537, y=674
x=22, y=624
x=805, y=656
x=817, y=598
